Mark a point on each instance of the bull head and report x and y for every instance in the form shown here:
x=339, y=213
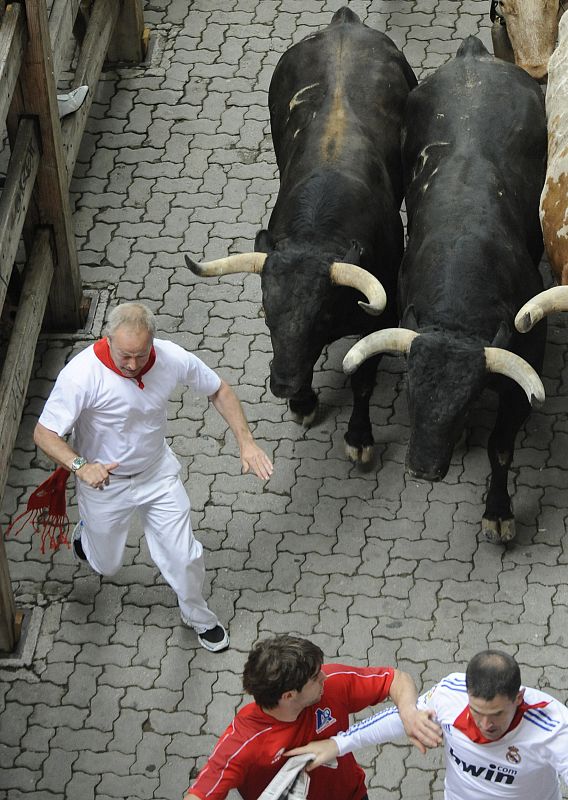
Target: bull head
x=532, y=28
x=498, y=360
x=340, y=273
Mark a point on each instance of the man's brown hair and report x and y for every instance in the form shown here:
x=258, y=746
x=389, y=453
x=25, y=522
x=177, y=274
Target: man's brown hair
x=491, y=673
x=280, y=664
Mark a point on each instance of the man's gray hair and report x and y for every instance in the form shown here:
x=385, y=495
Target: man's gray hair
x=131, y=315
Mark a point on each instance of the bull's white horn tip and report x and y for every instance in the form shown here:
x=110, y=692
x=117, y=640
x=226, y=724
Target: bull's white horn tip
x=372, y=309
x=525, y=320
x=350, y=362
x=538, y=398
x=193, y=266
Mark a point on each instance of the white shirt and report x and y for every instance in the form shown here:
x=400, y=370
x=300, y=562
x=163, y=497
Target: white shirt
x=524, y=764
x=112, y=418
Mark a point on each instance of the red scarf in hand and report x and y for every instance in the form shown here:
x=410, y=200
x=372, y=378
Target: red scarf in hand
x=466, y=725
x=46, y=511
x=102, y=352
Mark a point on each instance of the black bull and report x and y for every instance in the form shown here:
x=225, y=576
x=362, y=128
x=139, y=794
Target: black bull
x=336, y=102
x=474, y=152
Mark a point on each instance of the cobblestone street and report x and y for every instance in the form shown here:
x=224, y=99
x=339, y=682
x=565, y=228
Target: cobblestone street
x=376, y=568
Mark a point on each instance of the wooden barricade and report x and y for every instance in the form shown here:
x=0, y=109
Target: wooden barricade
x=34, y=203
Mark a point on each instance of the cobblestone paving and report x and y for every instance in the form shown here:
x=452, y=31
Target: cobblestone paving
x=376, y=568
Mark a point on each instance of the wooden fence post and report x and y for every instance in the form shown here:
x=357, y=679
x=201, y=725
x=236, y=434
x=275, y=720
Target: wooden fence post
x=7, y=607
x=128, y=44
x=16, y=372
x=89, y=65
x=39, y=97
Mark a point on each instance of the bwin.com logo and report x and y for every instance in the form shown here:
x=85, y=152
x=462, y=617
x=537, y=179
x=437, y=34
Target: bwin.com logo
x=492, y=773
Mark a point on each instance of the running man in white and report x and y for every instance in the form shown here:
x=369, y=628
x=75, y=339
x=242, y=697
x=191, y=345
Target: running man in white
x=113, y=396
x=501, y=740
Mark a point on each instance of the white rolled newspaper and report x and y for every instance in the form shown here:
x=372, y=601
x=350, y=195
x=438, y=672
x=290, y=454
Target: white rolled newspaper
x=291, y=782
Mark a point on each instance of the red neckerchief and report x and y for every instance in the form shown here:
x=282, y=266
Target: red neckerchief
x=466, y=725
x=102, y=352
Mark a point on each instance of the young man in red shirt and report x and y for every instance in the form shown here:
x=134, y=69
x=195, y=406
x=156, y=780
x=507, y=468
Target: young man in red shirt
x=297, y=699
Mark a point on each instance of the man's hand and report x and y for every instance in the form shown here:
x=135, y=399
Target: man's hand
x=96, y=475
x=254, y=458
x=325, y=750
x=421, y=728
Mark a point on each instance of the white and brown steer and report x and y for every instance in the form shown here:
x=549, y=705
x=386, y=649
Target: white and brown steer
x=554, y=198
x=525, y=31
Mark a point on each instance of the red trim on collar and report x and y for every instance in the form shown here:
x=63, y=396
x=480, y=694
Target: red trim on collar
x=464, y=722
x=102, y=352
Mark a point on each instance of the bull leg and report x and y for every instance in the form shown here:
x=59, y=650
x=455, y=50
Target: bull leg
x=304, y=406
x=498, y=523
x=359, y=437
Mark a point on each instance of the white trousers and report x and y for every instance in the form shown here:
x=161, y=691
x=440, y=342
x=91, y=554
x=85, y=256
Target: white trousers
x=158, y=495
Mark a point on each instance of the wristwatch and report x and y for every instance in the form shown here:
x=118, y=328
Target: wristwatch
x=77, y=463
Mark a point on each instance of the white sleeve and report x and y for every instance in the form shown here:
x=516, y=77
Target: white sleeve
x=63, y=406
x=386, y=726
x=199, y=377
x=558, y=747
x=382, y=727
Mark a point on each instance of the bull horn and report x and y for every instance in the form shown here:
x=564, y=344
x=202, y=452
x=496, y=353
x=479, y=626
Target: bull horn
x=555, y=299
x=358, y=278
x=513, y=366
x=389, y=340
x=240, y=262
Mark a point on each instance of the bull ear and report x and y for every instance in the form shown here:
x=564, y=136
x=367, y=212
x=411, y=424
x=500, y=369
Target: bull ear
x=409, y=318
x=263, y=243
x=354, y=254
x=502, y=337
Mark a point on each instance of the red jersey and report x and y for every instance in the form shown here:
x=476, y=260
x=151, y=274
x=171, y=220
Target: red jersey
x=249, y=753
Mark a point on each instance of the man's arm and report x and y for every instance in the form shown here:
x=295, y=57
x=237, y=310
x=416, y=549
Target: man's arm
x=252, y=456
x=420, y=726
x=56, y=448
x=557, y=747
x=386, y=726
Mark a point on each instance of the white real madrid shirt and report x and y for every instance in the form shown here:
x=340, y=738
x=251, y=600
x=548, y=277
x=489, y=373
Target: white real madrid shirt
x=523, y=765
x=112, y=418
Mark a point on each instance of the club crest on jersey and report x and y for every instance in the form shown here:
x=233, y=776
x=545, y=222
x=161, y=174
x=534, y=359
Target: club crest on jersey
x=513, y=756
x=324, y=719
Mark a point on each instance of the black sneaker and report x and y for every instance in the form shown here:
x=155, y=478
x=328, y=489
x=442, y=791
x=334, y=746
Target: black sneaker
x=215, y=639
x=78, y=552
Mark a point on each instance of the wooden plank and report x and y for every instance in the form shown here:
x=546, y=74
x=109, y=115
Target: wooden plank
x=15, y=197
x=17, y=367
x=7, y=606
x=82, y=20
x=127, y=43
x=13, y=35
x=91, y=59
x=61, y=22
x=14, y=382
x=38, y=85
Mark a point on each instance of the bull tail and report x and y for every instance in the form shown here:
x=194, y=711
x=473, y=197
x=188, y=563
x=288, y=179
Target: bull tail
x=472, y=46
x=344, y=14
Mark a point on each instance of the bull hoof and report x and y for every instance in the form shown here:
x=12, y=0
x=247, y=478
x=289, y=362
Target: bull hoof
x=498, y=531
x=360, y=455
x=307, y=420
